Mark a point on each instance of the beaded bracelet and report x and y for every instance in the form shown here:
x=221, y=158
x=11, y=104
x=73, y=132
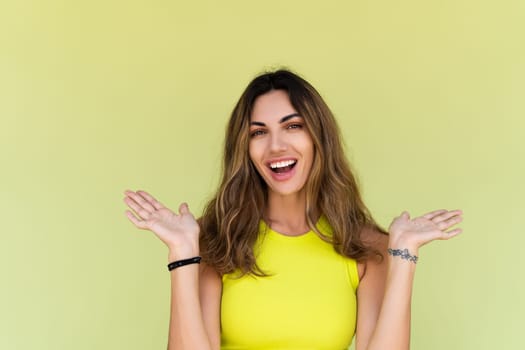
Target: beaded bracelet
x=179, y=263
x=404, y=254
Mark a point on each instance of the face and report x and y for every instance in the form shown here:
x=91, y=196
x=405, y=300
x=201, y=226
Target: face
x=280, y=145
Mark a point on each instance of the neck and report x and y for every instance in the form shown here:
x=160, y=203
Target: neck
x=287, y=214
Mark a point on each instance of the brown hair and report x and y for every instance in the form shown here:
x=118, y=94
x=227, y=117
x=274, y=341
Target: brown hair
x=230, y=222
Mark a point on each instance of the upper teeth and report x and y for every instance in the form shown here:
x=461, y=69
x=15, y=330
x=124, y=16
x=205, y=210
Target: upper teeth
x=282, y=164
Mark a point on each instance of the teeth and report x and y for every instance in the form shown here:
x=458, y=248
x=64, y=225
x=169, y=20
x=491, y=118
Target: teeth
x=282, y=164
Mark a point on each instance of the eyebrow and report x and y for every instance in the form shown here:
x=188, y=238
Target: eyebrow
x=282, y=120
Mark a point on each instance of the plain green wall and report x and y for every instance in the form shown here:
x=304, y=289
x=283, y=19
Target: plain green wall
x=100, y=96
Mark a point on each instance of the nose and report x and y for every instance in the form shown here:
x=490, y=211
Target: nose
x=278, y=143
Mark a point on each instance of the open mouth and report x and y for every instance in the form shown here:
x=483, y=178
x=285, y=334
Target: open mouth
x=283, y=166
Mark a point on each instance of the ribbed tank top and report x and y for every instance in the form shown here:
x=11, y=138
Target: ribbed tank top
x=308, y=301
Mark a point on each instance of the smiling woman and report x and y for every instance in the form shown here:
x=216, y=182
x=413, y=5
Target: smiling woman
x=281, y=147
x=292, y=258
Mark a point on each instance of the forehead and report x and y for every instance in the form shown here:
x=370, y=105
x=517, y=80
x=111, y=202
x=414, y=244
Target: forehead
x=272, y=106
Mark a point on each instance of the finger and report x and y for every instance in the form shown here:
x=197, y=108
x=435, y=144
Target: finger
x=404, y=215
x=144, y=202
x=138, y=223
x=156, y=204
x=446, y=216
x=433, y=235
x=431, y=214
x=141, y=201
x=184, y=209
x=443, y=225
x=453, y=233
x=139, y=210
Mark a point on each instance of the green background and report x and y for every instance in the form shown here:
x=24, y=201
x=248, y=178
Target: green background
x=100, y=96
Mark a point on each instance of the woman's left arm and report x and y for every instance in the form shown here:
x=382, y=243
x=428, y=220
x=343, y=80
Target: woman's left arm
x=385, y=291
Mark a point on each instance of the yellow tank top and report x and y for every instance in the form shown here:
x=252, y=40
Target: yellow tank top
x=307, y=302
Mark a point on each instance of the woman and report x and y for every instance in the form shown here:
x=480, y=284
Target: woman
x=292, y=259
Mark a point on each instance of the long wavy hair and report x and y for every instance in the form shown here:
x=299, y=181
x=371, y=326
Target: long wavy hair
x=230, y=221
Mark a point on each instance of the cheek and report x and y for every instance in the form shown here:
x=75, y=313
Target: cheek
x=254, y=151
x=308, y=147
x=251, y=151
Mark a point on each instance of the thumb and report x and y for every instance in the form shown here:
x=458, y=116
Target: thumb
x=183, y=208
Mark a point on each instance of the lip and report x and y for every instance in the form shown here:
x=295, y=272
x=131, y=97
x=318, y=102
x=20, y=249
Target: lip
x=282, y=159
x=282, y=176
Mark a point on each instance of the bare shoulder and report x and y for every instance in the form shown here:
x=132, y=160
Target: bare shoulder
x=378, y=241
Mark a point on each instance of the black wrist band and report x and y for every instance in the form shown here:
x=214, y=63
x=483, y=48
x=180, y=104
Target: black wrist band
x=179, y=263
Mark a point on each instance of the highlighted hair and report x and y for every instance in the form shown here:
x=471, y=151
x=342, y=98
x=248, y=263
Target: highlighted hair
x=230, y=222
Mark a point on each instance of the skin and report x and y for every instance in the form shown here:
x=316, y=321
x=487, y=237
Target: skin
x=277, y=140
x=385, y=289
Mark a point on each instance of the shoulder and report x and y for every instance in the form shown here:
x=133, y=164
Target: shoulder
x=375, y=239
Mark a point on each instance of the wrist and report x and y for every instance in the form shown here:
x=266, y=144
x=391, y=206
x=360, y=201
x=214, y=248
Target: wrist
x=403, y=254
x=180, y=253
x=179, y=263
x=400, y=243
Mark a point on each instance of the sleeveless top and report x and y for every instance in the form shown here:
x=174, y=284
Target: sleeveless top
x=307, y=301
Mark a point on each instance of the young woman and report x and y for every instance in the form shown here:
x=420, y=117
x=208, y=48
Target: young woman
x=291, y=257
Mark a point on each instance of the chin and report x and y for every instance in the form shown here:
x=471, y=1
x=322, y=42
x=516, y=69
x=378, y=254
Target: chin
x=286, y=190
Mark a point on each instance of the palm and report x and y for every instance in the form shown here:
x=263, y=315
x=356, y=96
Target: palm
x=173, y=229
x=165, y=222
x=415, y=226
x=413, y=233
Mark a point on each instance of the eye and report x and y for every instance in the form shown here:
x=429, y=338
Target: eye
x=294, y=126
x=257, y=132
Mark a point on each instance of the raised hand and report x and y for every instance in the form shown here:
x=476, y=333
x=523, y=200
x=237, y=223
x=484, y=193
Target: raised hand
x=180, y=232
x=406, y=233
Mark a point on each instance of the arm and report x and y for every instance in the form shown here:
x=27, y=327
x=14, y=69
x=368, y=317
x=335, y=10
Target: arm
x=195, y=289
x=195, y=308
x=385, y=292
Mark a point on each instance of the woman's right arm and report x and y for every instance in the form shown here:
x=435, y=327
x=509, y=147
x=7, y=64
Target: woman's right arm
x=195, y=308
x=195, y=289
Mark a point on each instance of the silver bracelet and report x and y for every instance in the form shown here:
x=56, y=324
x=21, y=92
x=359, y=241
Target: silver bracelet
x=404, y=254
